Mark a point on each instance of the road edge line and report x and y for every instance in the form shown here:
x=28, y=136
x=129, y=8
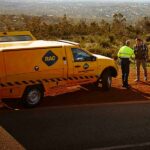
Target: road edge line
x=123, y=146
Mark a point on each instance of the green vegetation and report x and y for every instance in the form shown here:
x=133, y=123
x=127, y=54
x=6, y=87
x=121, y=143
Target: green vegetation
x=101, y=37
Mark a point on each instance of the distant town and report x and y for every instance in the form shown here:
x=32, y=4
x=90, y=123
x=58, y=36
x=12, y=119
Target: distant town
x=92, y=10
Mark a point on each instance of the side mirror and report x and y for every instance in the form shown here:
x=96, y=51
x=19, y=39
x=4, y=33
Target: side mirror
x=115, y=58
x=93, y=58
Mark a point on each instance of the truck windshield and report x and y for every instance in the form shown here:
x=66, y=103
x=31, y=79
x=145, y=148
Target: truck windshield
x=15, y=38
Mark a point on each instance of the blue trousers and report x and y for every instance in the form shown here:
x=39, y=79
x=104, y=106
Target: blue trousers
x=125, y=67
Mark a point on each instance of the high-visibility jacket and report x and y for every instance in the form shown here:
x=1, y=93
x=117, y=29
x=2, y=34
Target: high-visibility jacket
x=126, y=52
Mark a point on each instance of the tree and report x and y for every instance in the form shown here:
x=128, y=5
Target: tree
x=105, y=27
x=119, y=24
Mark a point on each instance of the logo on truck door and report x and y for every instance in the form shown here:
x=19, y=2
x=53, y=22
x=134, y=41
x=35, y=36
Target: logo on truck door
x=86, y=66
x=50, y=58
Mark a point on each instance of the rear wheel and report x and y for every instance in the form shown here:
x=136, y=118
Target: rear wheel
x=32, y=96
x=105, y=81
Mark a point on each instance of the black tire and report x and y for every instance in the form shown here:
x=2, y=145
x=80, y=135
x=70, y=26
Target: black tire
x=32, y=96
x=105, y=81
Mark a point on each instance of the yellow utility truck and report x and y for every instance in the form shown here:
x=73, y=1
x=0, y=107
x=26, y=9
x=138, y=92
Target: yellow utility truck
x=31, y=70
x=16, y=36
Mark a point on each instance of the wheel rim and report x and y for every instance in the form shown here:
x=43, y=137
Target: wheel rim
x=109, y=81
x=99, y=83
x=33, y=97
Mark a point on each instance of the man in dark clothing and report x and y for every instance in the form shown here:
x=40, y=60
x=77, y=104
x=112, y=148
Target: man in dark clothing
x=141, y=56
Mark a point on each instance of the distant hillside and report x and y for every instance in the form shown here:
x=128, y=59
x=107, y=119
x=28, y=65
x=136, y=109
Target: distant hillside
x=76, y=8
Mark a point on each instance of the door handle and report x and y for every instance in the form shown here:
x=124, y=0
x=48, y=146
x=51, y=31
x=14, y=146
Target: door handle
x=77, y=66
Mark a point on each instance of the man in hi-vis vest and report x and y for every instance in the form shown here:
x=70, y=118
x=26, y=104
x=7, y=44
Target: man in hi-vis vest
x=126, y=54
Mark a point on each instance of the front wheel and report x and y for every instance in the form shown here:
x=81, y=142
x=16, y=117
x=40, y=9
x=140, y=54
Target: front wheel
x=105, y=81
x=32, y=96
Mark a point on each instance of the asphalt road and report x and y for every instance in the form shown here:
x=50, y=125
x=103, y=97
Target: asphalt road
x=89, y=127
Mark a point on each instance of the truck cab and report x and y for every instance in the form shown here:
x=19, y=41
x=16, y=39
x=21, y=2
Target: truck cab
x=34, y=69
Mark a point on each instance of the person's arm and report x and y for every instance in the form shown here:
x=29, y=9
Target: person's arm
x=146, y=49
x=118, y=54
x=133, y=54
x=135, y=49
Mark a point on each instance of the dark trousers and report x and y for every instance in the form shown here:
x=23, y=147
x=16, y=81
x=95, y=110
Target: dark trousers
x=138, y=64
x=125, y=67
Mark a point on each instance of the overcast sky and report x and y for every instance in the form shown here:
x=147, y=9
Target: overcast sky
x=100, y=0
x=76, y=0
x=105, y=0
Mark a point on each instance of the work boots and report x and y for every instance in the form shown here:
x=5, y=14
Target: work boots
x=145, y=78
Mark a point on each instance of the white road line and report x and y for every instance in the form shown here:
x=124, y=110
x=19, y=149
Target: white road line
x=123, y=146
x=7, y=142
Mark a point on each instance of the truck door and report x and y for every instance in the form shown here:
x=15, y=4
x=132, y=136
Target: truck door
x=84, y=64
